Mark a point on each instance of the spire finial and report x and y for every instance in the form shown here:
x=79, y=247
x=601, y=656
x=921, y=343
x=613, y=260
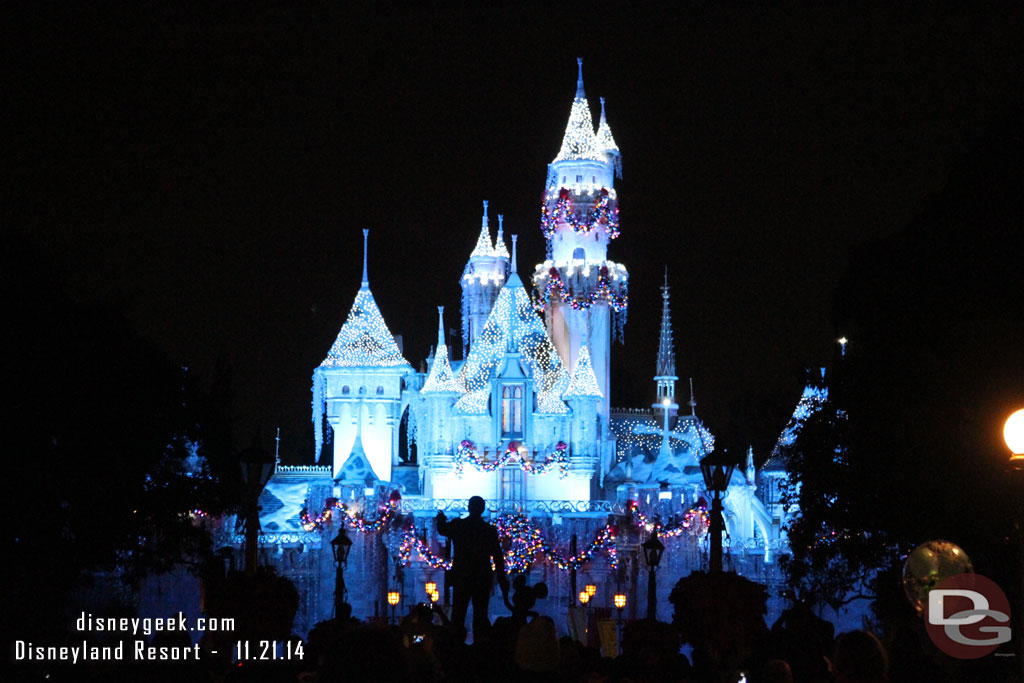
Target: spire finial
x=602, y=109
x=693, y=401
x=484, y=220
x=664, y=287
x=579, y=78
x=366, y=237
x=515, y=238
x=440, y=326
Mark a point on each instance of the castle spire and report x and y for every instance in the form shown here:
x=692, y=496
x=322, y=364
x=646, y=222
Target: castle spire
x=366, y=279
x=579, y=141
x=693, y=401
x=500, y=250
x=440, y=379
x=483, y=242
x=606, y=143
x=666, y=352
x=515, y=238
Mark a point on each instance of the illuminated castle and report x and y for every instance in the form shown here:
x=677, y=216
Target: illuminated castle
x=524, y=421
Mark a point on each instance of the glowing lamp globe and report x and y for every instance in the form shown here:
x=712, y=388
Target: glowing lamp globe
x=1013, y=434
x=434, y=596
x=431, y=587
x=619, y=600
x=591, y=590
x=393, y=598
x=584, y=597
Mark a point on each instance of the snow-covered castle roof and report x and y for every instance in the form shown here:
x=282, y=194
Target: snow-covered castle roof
x=440, y=379
x=513, y=327
x=364, y=339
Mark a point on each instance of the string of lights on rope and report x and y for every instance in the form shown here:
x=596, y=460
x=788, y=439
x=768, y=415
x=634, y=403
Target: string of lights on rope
x=603, y=214
x=696, y=521
x=525, y=542
x=619, y=301
x=558, y=458
x=351, y=516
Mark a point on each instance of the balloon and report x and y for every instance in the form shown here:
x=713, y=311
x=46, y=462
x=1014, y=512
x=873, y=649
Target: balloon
x=927, y=565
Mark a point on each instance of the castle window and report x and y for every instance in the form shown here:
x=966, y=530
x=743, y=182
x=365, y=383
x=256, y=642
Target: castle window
x=579, y=254
x=512, y=411
x=345, y=390
x=380, y=390
x=579, y=179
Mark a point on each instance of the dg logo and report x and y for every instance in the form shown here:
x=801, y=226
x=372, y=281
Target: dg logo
x=967, y=616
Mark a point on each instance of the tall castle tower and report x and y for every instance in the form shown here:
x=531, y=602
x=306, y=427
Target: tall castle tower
x=580, y=290
x=484, y=274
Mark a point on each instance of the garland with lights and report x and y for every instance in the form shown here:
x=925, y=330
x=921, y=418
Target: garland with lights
x=603, y=291
x=602, y=214
x=525, y=542
x=466, y=453
x=352, y=518
x=695, y=521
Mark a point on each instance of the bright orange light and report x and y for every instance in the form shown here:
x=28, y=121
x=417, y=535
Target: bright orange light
x=434, y=596
x=1013, y=432
x=394, y=597
x=584, y=597
x=431, y=587
x=620, y=600
x=591, y=589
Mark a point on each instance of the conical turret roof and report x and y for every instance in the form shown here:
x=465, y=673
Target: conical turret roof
x=584, y=381
x=666, y=349
x=440, y=379
x=579, y=141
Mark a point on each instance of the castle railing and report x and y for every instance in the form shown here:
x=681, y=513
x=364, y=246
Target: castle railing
x=506, y=506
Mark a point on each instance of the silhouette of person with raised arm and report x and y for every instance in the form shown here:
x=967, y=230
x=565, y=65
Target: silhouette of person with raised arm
x=476, y=547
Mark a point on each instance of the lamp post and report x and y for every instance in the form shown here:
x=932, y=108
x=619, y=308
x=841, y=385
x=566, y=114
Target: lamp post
x=393, y=598
x=431, y=588
x=1013, y=434
x=340, y=547
x=653, y=549
x=716, y=468
x=257, y=468
x=619, y=600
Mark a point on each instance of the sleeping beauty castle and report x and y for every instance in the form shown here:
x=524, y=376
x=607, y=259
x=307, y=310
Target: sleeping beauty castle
x=525, y=420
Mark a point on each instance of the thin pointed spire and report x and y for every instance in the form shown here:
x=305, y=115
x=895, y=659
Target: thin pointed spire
x=693, y=401
x=483, y=242
x=500, y=250
x=666, y=350
x=366, y=238
x=440, y=326
x=515, y=238
x=606, y=142
x=579, y=141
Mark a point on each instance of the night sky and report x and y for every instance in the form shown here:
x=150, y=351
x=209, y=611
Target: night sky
x=210, y=172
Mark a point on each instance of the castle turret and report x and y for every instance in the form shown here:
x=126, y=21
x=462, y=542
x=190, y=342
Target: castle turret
x=580, y=290
x=484, y=274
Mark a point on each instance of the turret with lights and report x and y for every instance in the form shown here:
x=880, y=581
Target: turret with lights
x=484, y=274
x=581, y=292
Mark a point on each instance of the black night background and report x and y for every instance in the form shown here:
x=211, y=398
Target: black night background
x=186, y=187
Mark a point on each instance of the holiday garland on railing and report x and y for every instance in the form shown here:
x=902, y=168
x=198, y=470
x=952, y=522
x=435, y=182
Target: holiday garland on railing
x=524, y=543
x=602, y=214
x=695, y=521
x=466, y=453
x=603, y=291
x=353, y=519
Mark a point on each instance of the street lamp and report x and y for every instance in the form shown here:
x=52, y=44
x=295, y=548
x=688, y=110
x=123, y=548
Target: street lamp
x=257, y=467
x=393, y=598
x=340, y=547
x=1013, y=434
x=591, y=590
x=434, y=596
x=584, y=598
x=619, y=600
x=431, y=587
x=717, y=471
x=653, y=549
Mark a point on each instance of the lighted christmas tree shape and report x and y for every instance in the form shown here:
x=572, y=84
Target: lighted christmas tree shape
x=606, y=143
x=440, y=379
x=364, y=339
x=483, y=241
x=584, y=381
x=579, y=141
x=499, y=244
